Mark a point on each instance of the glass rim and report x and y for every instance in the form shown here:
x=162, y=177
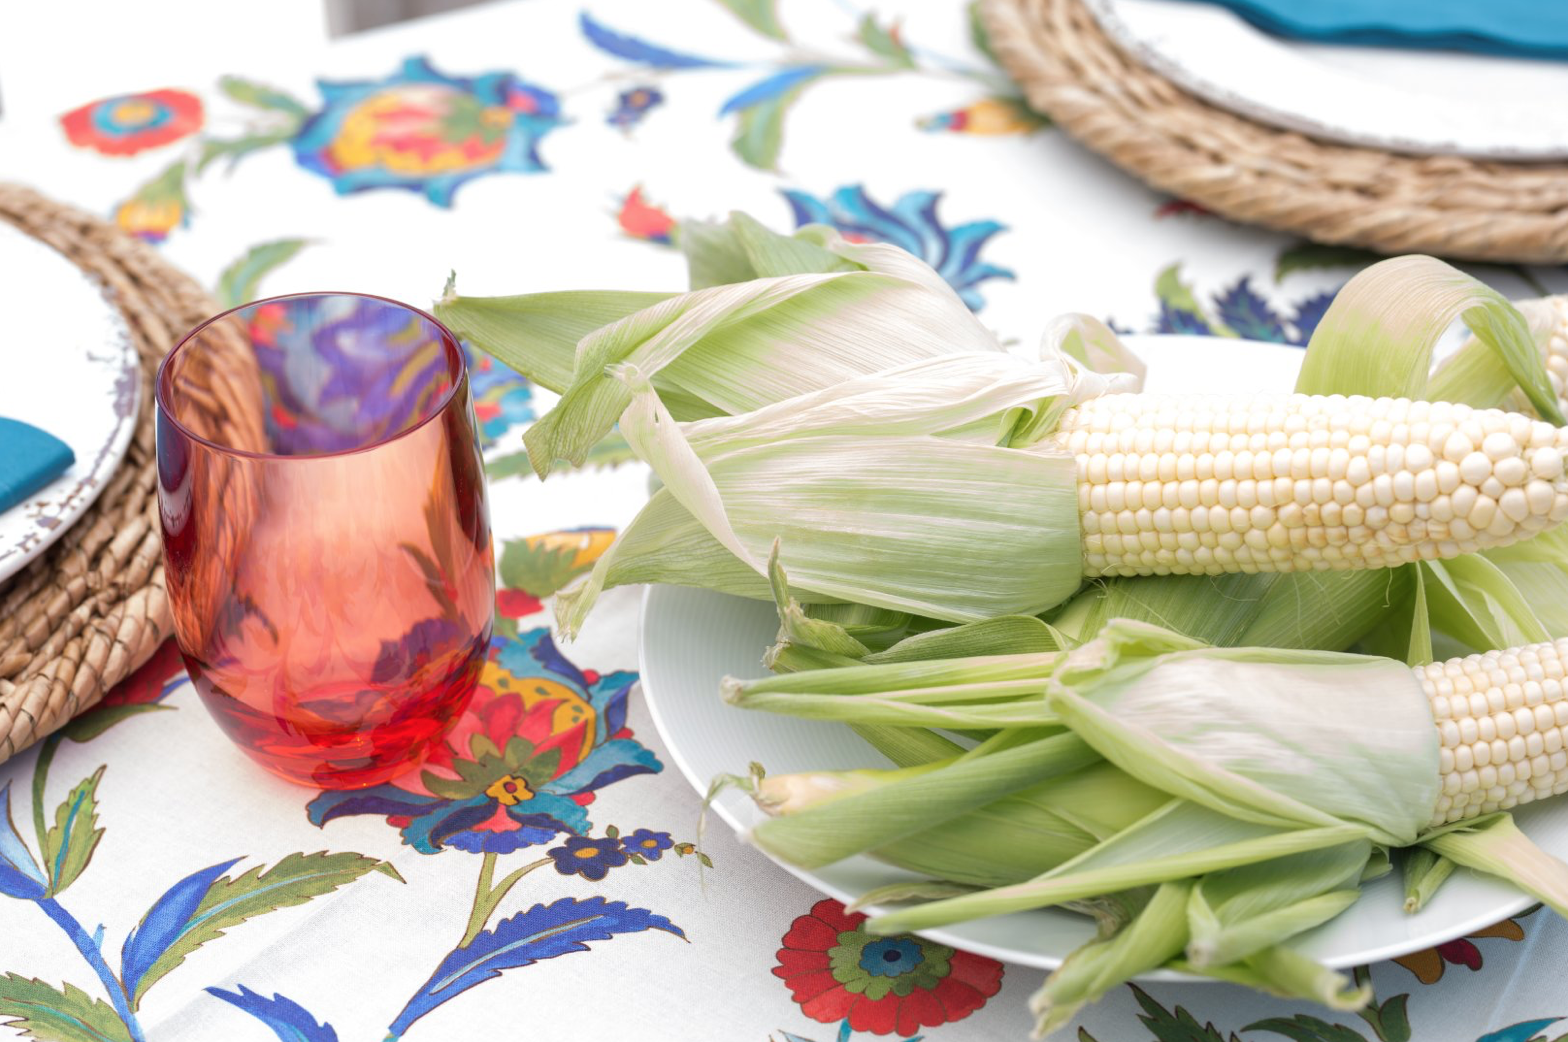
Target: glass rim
x=453, y=348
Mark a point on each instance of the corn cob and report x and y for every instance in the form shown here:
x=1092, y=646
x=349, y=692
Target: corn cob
x=1502, y=718
x=1555, y=354
x=1283, y=483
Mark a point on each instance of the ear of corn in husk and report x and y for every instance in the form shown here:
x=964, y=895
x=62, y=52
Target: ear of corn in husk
x=1267, y=811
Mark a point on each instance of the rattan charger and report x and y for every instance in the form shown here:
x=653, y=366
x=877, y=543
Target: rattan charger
x=1450, y=206
x=93, y=607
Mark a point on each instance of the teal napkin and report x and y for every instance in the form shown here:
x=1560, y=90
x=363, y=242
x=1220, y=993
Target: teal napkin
x=29, y=460
x=1521, y=28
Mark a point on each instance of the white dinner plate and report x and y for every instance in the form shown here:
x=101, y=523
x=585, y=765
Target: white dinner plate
x=67, y=366
x=1422, y=101
x=693, y=638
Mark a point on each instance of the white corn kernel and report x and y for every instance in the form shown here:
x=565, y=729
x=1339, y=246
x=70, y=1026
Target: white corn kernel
x=1497, y=749
x=1295, y=483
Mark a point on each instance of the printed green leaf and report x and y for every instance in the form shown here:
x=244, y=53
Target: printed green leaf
x=978, y=34
x=69, y=845
x=539, y=569
x=41, y=1011
x=239, y=280
x=1178, y=296
x=1389, y=1020
x=386, y=868
x=230, y=901
x=610, y=451
x=1313, y=256
x=94, y=723
x=504, y=627
x=1302, y=1028
x=1180, y=1026
x=235, y=149
x=761, y=15
x=512, y=465
x=884, y=41
x=759, y=129
x=261, y=96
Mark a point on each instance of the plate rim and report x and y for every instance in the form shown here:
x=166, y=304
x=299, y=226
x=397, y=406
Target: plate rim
x=91, y=484
x=1012, y=956
x=1110, y=20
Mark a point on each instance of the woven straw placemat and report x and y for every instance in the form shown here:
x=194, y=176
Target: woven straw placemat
x=1444, y=205
x=92, y=608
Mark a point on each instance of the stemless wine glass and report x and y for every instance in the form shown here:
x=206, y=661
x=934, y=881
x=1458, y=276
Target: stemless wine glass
x=326, y=538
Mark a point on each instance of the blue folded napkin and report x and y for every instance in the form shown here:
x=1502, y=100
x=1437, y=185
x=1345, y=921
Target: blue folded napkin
x=1518, y=28
x=29, y=460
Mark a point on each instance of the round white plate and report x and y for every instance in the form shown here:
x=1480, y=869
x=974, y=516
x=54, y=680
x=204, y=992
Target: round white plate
x=692, y=638
x=67, y=366
x=1400, y=100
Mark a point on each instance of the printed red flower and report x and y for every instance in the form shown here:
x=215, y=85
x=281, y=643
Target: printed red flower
x=642, y=220
x=151, y=682
x=1181, y=207
x=1428, y=964
x=130, y=123
x=514, y=604
x=539, y=740
x=883, y=985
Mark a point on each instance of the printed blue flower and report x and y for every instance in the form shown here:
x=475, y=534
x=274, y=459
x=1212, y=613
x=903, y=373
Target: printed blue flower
x=503, y=399
x=539, y=739
x=424, y=131
x=647, y=844
x=165, y=922
x=290, y=1021
x=20, y=876
x=891, y=956
x=1309, y=313
x=542, y=932
x=588, y=857
x=632, y=106
x=781, y=82
x=912, y=223
x=632, y=49
x=1180, y=321
x=1521, y=1032
x=1248, y=315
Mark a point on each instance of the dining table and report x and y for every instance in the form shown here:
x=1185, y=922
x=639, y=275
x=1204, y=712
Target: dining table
x=533, y=145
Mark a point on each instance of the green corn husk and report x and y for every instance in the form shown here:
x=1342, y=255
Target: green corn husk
x=885, y=490
x=1236, y=914
x=1425, y=871
x=1281, y=971
x=1268, y=812
x=1477, y=375
x=1032, y=831
x=861, y=815
x=1363, y=344
x=1538, y=569
x=1157, y=934
x=1197, y=812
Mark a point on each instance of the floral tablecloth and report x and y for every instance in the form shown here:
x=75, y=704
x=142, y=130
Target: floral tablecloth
x=546, y=145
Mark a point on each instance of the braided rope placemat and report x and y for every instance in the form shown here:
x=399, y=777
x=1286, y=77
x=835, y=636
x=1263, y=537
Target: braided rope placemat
x=1450, y=206
x=93, y=607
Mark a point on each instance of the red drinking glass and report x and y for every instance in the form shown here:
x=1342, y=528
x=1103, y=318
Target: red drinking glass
x=326, y=538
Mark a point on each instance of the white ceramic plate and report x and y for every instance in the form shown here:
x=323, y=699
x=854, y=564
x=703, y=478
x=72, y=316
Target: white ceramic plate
x=691, y=639
x=1402, y=100
x=67, y=366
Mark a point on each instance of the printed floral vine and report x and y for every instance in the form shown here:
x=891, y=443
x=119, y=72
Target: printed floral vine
x=518, y=772
x=911, y=222
x=761, y=108
x=195, y=911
